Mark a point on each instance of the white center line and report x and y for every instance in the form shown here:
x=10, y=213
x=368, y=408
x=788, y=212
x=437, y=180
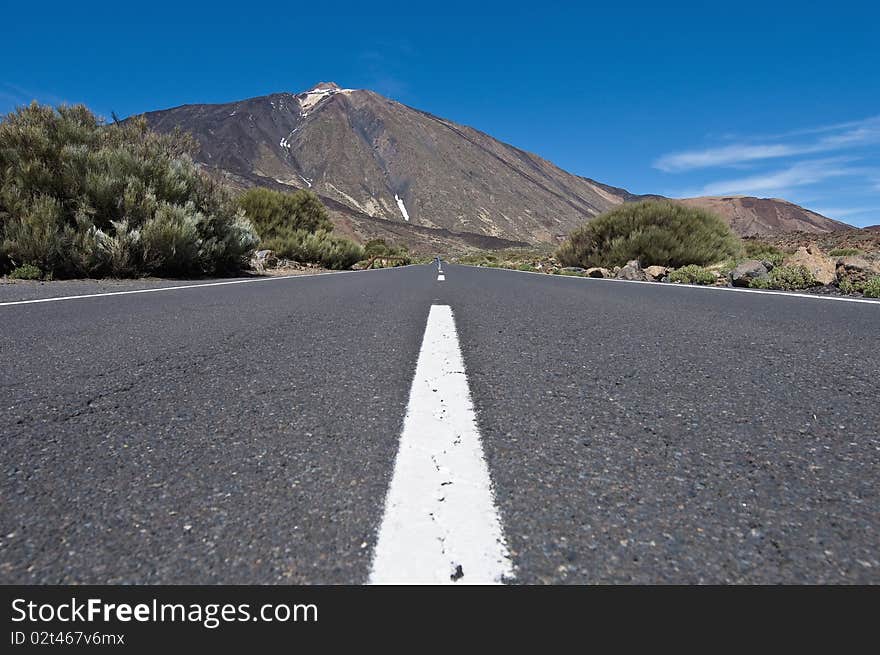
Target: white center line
x=441, y=525
x=441, y=278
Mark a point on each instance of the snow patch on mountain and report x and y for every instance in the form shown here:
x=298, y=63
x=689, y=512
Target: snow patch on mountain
x=311, y=98
x=402, y=207
x=285, y=141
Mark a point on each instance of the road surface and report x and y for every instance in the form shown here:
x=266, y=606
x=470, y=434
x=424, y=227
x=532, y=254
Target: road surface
x=275, y=431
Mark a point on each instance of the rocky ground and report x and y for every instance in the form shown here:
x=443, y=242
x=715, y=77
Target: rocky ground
x=835, y=264
x=865, y=240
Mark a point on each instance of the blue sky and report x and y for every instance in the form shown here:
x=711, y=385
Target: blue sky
x=774, y=99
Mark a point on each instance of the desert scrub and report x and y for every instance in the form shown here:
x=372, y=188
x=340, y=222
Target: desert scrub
x=504, y=258
x=379, y=248
x=692, y=274
x=296, y=226
x=661, y=232
x=319, y=247
x=275, y=214
x=526, y=267
x=79, y=197
x=786, y=278
x=26, y=272
x=478, y=259
x=845, y=252
x=869, y=288
x=754, y=249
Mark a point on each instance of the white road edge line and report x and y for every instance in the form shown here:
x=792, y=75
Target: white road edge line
x=188, y=286
x=440, y=524
x=758, y=292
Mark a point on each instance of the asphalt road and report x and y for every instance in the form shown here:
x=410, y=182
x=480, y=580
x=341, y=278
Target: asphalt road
x=247, y=433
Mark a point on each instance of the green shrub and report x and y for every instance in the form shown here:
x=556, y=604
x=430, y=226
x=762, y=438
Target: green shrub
x=38, y=235
x=319, y=247
x=379, y=248
x=660, y=232
x=475, y=259
x=78, y=197
x=339, y=253
x=844, y=252
x=121, y=249
x=763, y=252
x=526, y=267
x=692, y=274
x=26, y=272
x=277, y=214
x=170, y=240
x=296, y=226
x=787, y=278
x=869, y=288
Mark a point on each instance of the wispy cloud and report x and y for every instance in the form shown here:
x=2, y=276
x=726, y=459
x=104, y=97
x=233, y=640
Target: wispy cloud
x=837, y=137
x=847, y=212
x=778, y=181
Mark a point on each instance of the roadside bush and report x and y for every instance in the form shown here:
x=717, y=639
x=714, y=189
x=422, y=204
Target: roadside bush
x=692, y=274
x=170, y=240
x=38, y=236
x=787, y=278
x=26, y=272
x=82, y=198
x=844, y=252
x=296, y=226
x=277, y=214
x=869, y=288
x=478, y=258
x=319, y=247
x=660, y=232
x=379, y=248
x=763, y=251
x=336, y=252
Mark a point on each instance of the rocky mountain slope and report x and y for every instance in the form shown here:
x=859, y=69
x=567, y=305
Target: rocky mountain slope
x=759, y=216
x=372, y=158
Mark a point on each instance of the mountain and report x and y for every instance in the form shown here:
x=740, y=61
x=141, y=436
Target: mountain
x=760, y=216
x=379, y=164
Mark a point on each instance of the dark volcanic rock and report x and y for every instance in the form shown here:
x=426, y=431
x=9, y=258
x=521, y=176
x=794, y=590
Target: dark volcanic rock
x=747, y=271
x=632, y=271
x=856, y=269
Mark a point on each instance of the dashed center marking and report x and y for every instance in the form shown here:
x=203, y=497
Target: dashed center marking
x=440, y=525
